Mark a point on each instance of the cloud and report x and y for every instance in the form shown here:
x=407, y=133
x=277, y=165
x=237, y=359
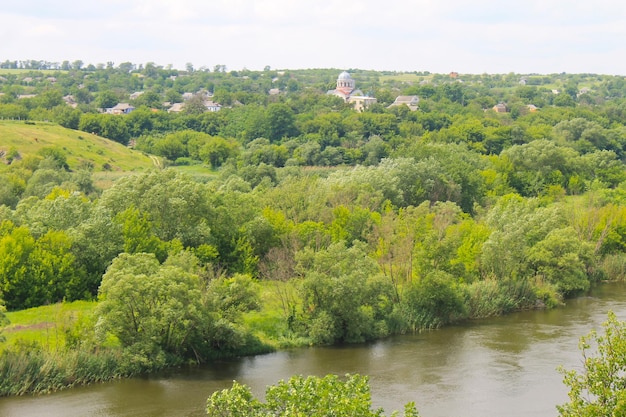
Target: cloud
x=407, y=35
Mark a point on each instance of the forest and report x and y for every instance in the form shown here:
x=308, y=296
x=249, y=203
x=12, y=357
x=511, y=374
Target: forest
x=288, y=218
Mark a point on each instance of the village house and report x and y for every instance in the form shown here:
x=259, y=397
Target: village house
x=136, y=95
x=500, y=108
x=120, y=108
x=410, y=101
x=176, y=108
x=212, y=106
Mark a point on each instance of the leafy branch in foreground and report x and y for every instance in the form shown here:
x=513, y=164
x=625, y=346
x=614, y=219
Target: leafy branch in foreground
x=302, y=396
x=600, y=389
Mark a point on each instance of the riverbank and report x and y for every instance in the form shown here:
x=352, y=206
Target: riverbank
x=54, y=347
x=496, y=366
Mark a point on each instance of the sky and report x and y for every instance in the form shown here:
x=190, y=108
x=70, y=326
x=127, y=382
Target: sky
x=440, y=36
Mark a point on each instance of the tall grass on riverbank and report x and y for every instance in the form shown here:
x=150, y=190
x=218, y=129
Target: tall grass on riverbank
x=33, y=370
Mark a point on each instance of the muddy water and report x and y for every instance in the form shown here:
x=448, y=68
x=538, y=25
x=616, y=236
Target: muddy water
x=504, y=366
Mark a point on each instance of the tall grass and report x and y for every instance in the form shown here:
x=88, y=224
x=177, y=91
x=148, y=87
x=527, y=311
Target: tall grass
x=30, y=369
x=493, y=297
x=613, y=267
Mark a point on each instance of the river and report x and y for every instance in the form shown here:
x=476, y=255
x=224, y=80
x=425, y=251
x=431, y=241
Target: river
x=505, y=366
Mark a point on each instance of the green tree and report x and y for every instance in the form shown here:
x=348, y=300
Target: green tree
x=344, y=297
x=217, y=150
x=280, y=122
x=600, y=388
x=177, y=206
x=36, y=271
x=16, y=284
x=138, y=235
x=302, y=396
x=150, y=99
x=95, y=243
x=149, y=307
x=195, y=105
x=562, y=259
x=170, y=147
x=107, y=99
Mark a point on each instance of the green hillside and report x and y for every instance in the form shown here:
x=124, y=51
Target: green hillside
x=82, y=149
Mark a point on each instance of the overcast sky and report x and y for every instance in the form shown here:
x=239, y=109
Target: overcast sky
x=479, y=36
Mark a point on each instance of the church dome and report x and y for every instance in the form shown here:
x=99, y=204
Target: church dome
x=344, y=76
x=345, y=83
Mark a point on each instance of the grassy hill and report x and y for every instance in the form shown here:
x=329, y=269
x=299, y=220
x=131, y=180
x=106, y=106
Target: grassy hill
x=108, y=159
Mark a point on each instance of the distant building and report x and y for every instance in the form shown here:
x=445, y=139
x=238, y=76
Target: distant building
x=410, y=101
x=120, y=108
x=176, y=108
x=346, y=89
x=136, y=95
x=212, y=106
x=70, y=101
x=500, y=108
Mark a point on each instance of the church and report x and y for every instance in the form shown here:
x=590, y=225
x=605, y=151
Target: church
x=346, y=89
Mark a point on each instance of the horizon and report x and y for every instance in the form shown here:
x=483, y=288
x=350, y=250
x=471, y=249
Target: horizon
x=411, y=35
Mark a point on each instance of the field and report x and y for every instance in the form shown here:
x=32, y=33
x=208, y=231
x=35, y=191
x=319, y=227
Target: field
x=5, y=71
x=46, y=324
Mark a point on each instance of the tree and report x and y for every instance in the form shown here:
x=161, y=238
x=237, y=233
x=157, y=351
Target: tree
x=148, y=306
x=195, y=105
x=302, y=396
x=95, y=243
x=344, y=298
x=33, y=271
x=561, y=259
x=176, y=205
x=107, y=99
x=217, y=150
x=150, y=99
x=600, y=388
x=280, y=122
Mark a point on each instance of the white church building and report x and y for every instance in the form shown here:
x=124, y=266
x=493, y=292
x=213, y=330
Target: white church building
x=346, y=89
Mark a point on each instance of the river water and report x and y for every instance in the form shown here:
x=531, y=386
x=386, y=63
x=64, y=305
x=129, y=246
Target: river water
x=505, y=366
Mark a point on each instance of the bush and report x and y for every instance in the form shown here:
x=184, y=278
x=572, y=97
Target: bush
x=432, y=302
x=599, y=390
x=492, y=297
x=302, y=396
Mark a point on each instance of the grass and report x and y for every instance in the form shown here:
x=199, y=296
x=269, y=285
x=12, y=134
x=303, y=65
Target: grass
x=81, y=149
x=27, y=71
x=405, y=77
x=45, y=325
x=201, y=173
x=269, y=324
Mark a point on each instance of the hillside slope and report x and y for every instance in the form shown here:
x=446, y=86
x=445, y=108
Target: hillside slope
x=82, y=149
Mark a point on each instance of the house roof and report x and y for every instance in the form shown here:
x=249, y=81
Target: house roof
x=410, y=101
x=176, y=108
x=500, y=108
x=122, y=106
